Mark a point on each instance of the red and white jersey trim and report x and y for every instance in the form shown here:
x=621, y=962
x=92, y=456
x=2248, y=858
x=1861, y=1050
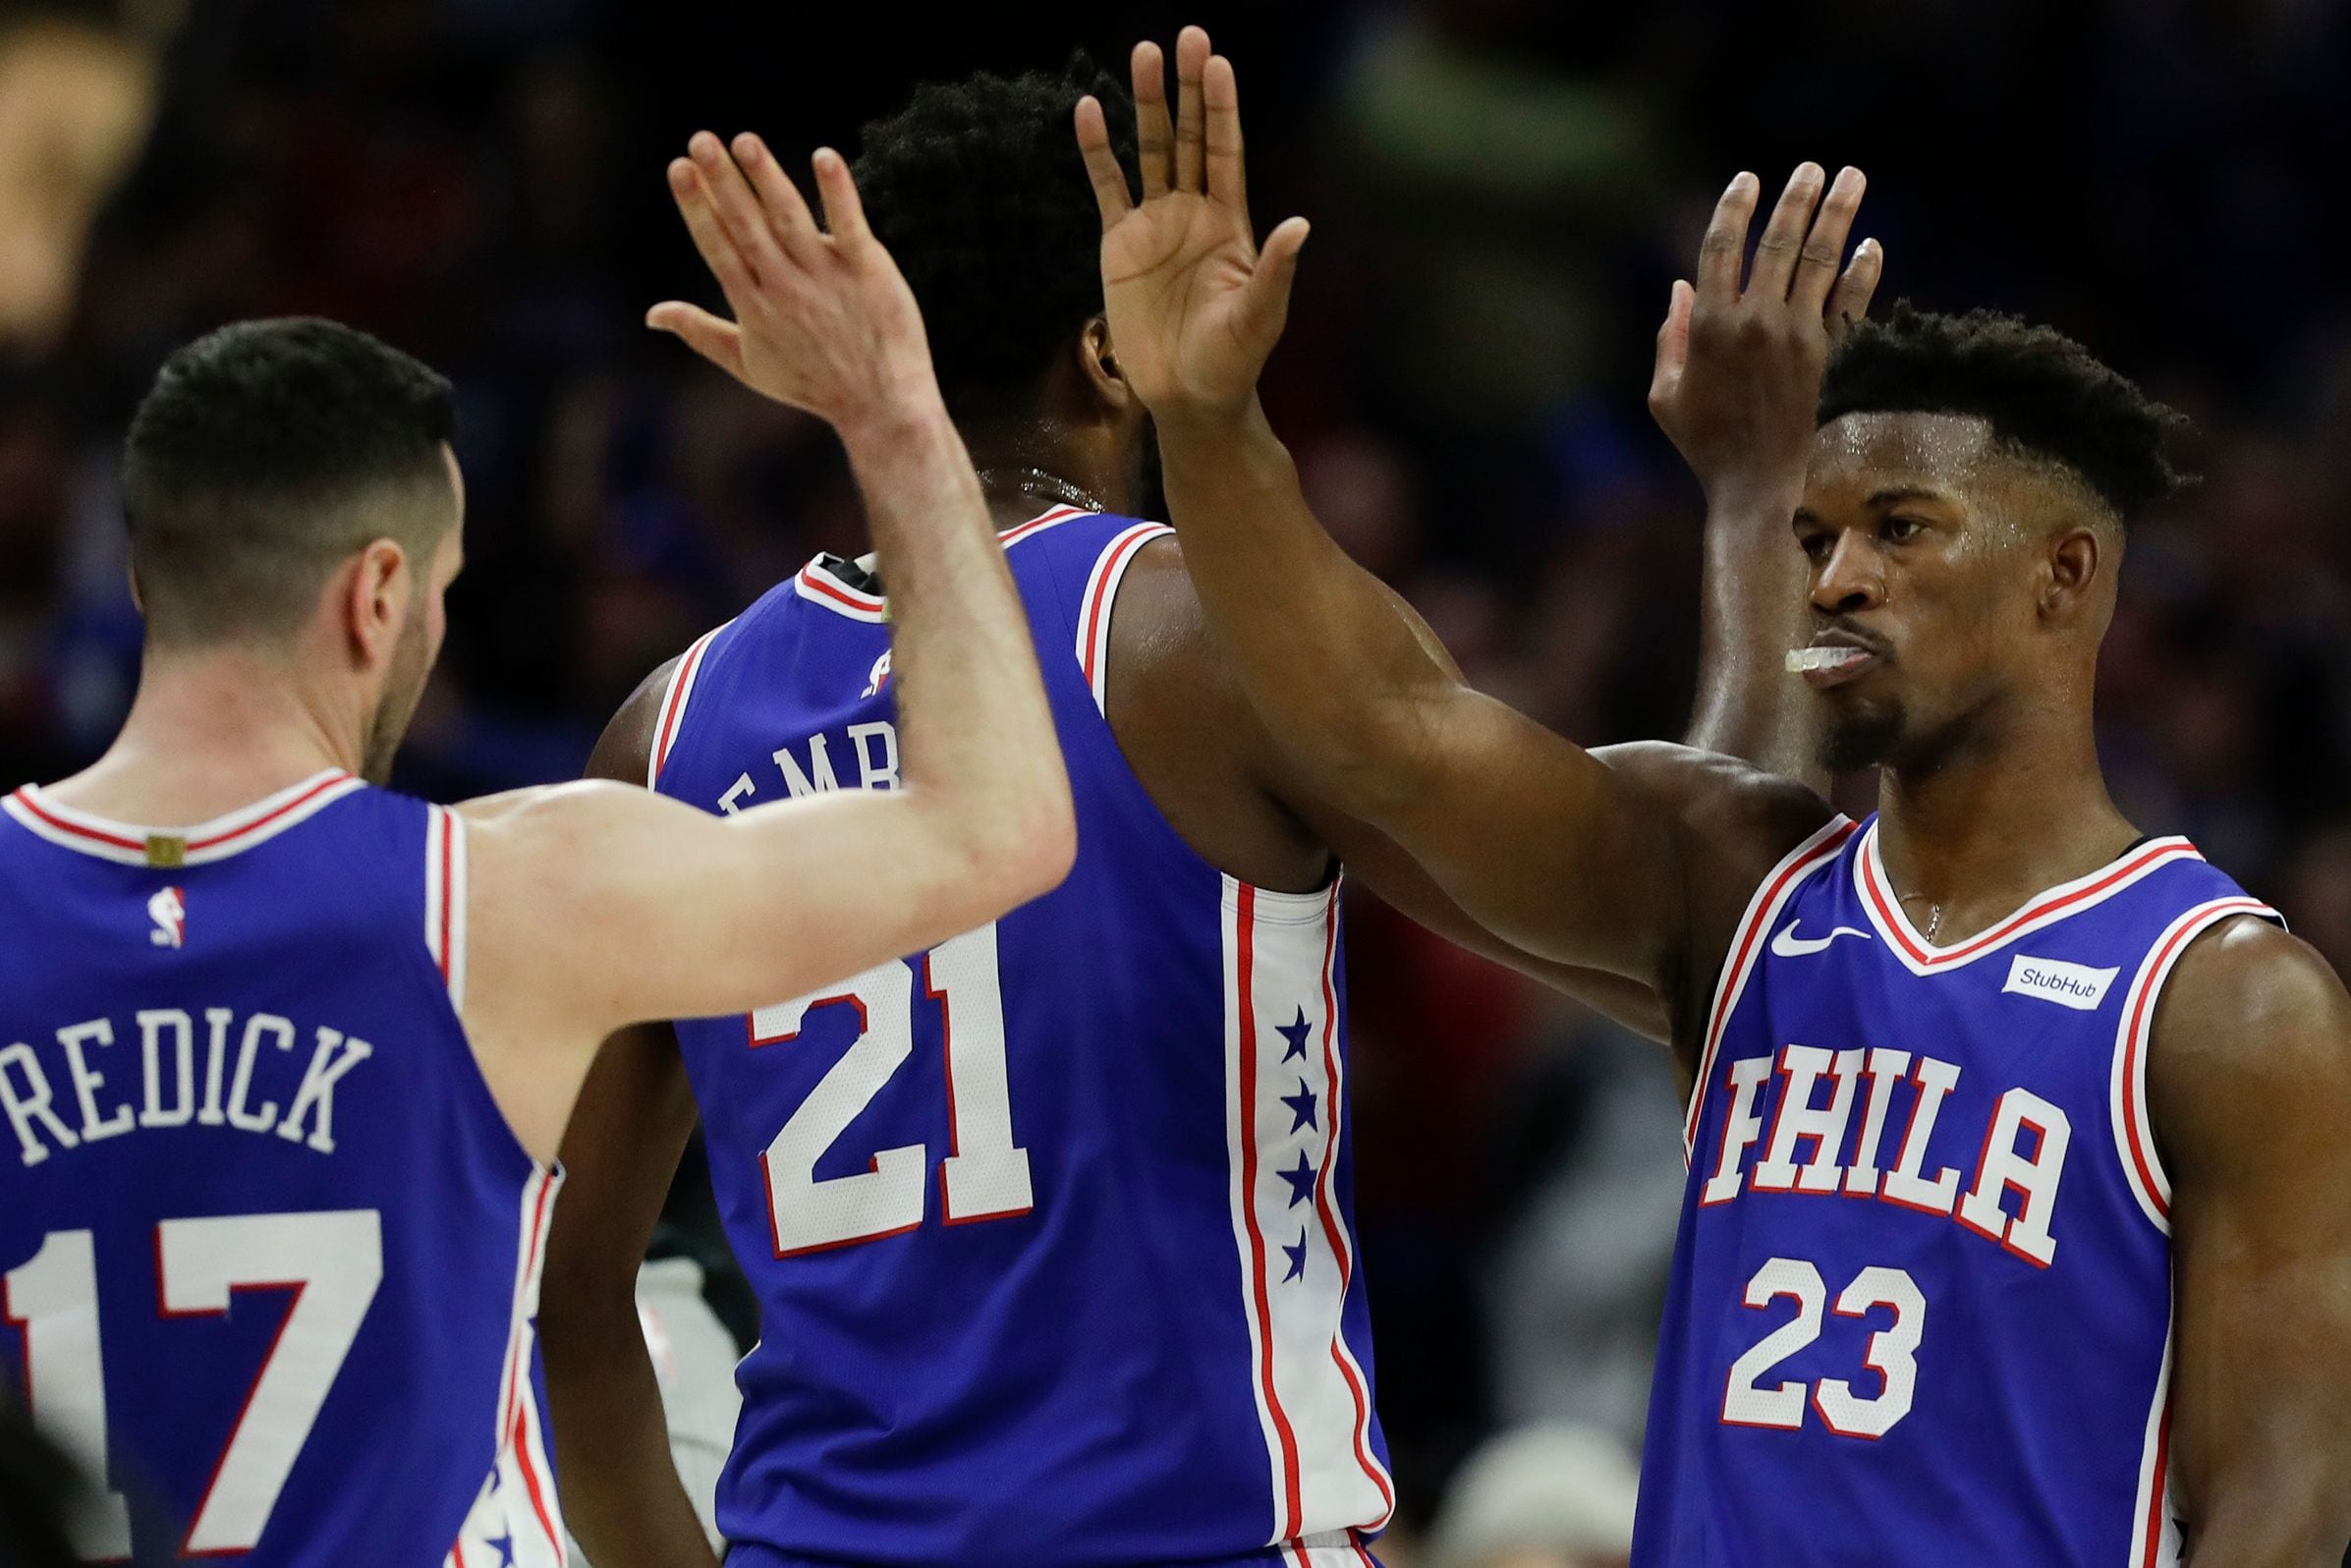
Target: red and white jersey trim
x=2154, y=1534
x=2134, y=1127
x=673, y=703
x=203, y=844
x=1285, y=1102
x=1100, y=601
x=517, y=1504
x=1747, y=950
x=445, y=899
x=2069, y=899
x=820, y=586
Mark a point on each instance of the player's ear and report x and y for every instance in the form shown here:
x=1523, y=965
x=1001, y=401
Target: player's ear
x=372, y=595
x=1097, y=357
x=2074, y=574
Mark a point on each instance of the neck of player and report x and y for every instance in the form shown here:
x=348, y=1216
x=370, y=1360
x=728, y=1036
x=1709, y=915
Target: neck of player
x=2016, y=806
x=1066, y=445
x=212, y=730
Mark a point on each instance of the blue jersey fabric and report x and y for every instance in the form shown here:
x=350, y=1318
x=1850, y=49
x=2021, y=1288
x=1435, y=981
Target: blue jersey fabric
x=270, y=1247
x=1050, y=1227
x=1921, y=1303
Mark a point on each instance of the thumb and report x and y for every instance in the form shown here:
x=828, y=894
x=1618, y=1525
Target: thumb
x=1673, y=342
x=1265, y=298
x=719, y=342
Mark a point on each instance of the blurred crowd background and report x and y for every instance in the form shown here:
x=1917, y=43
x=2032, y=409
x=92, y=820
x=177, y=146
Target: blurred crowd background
x=1502, y=191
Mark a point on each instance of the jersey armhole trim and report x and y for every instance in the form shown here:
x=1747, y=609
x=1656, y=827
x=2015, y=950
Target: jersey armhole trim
x=445, y=901
x=673, y=706
x=2134, y=1127
x=1778, y=885
x=1099, y=604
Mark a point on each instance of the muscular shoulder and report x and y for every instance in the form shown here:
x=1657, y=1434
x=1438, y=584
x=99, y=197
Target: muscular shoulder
x=1734, y=821
x=1169, y=674
x=625, y=751
x=1158, y=624
x=2252, y=1045
x=1742, y=815
x=544, y=840
x=1186, y=727
x=535, y=830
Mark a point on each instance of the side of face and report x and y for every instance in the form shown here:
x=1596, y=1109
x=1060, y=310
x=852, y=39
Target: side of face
x=406, y=665
x=1931, y=550
x=1125, y=423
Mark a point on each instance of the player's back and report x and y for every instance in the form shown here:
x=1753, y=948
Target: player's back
x=1049, y=1225
x=270, y=1248
x=1921, y=1306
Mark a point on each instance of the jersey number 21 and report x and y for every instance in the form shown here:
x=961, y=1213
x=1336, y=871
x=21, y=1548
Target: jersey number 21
x=983, y=1176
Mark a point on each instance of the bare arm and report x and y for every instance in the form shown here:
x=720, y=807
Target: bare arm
x=594, y=905
x=1598, y=874
x=2249, y=1087
x=1737, y=388
x=1373, y=717
x=621, y=1492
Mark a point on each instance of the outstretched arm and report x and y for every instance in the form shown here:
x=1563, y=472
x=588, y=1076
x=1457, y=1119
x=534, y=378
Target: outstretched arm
x=594, y=905
x=1737, y=388
x=1548, y=849
x=1369, y=712
x=2249, y=1086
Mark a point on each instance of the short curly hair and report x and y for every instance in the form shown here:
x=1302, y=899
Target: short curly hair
x=2044, y=394
x=978, y=191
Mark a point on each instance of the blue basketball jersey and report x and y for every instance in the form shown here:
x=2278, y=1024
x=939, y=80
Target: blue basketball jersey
x=1920, y=1305
x=268, y=1250
x=1051, y=1225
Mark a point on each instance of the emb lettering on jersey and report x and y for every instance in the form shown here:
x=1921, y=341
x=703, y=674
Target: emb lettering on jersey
x=1823, y=1096
x=71, y=1098
x=868, y=754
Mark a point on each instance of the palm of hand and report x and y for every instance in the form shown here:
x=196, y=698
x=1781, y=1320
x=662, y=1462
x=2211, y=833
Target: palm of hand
x=1175, y=272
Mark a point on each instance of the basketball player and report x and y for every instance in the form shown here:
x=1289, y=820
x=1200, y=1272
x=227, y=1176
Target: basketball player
x=2018, y=1225
x=1050, y=1224
x=284, y=1068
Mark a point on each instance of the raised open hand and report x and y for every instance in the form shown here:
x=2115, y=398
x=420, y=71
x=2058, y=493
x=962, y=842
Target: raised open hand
x=1195, y=307
x=823, y=321
x=1738, y=371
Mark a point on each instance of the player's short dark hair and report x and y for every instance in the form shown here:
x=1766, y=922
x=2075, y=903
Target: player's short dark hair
x=2045, y=396
x=267, y=451
x=978, y=191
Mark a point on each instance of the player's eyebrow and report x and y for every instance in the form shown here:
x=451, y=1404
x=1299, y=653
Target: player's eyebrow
x=1905, y=493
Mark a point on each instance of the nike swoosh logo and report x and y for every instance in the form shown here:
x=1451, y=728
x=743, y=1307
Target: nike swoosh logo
x=1787, y=944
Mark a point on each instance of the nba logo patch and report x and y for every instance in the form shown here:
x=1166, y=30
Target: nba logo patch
x=169, y=910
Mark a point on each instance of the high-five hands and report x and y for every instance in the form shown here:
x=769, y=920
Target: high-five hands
x=1195, y=307
x=1738, y=370
x=823, y=321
